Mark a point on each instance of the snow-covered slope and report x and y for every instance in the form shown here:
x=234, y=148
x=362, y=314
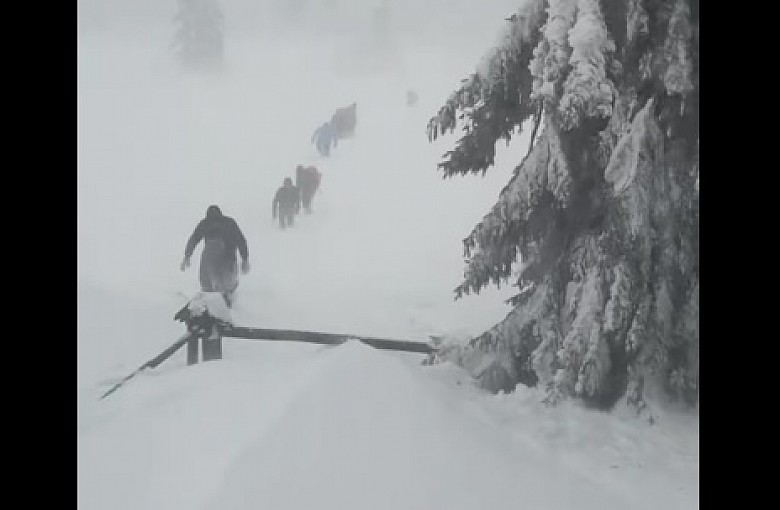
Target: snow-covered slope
x=283, y=425
x=290, y=426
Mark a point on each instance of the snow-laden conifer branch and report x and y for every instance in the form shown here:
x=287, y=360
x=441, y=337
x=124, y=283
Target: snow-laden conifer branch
x=587, y=91
x=601, y=215
x=543, y=174
x=493, y=102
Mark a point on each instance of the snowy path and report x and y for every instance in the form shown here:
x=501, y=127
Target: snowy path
x=352, y=427
x=293, y=426
x=282, y=425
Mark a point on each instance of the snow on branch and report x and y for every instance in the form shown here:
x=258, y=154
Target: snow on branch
x=504, y=352
x=616, y=312
x=638, y=22
x=677, y=49
x=587, y=92
x=492, y=245
x=624, y=160
x=602, y=217
x=467, y=96
x=506, y=334
x=630, y=169
x=494, y=101
x=551, y=55
x=584, y=357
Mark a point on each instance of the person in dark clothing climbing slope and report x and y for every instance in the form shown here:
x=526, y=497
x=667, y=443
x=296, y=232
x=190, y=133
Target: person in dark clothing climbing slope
x=286, y=204
x=218, y=262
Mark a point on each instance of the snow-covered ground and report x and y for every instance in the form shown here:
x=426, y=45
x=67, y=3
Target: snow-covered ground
x=285, y=425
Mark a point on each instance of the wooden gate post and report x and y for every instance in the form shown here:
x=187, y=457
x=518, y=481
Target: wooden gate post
x=212, y=343
x=192, y=350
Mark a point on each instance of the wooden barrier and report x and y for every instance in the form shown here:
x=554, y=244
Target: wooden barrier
x=210, y=331
x=323, y=338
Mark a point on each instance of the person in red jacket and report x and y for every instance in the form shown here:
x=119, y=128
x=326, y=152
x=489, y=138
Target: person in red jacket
x=218, y=263
x=307, y=181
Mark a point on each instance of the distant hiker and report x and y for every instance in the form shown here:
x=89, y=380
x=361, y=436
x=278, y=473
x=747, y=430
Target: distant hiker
x=344, y=121
x=323, y=139
x=218, y=264
x=287, y=203
x=307, y=180
x=411, y=97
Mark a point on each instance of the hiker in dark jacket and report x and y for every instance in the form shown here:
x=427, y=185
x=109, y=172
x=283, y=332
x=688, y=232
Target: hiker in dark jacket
x=218, y=264
x=287, y=203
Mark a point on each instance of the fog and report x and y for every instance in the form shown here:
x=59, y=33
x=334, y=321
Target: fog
x=382, y=250
x=289, y=424
x=429, y=19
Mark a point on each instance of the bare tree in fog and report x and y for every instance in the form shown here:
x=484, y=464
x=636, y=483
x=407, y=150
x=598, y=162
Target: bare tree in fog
x=381, y=25
x=199, y=36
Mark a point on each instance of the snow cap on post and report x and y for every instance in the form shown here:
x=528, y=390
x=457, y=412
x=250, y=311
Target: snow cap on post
x=211, y=303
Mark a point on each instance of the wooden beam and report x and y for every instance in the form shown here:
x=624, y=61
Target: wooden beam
x=154, y=362
x=324, y=338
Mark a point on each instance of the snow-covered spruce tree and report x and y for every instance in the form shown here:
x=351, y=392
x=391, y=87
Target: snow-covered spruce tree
x=198, y=41
x=600, y=219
